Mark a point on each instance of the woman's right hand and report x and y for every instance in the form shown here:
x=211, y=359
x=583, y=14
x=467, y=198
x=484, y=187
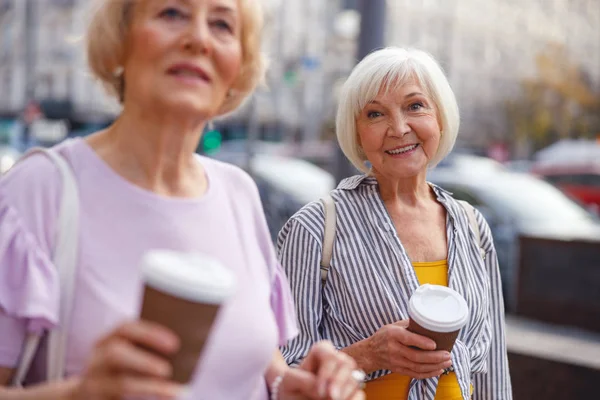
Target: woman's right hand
x=392, y=347
x=120, y=367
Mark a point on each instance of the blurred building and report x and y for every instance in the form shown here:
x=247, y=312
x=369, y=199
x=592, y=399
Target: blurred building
x=487, y=48
x=42, y=56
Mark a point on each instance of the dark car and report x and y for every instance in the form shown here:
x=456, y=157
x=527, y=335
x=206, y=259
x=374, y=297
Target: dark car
x=515, y=204
x=285, y=183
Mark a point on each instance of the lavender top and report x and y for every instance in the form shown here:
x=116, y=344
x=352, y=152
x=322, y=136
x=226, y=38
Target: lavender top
x=118, y=223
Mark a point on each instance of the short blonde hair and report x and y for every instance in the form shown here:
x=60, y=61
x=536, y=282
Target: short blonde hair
x=388, y=69
x=108, y=30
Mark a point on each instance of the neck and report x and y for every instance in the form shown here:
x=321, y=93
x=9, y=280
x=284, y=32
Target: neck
x=411, y=191
x=154, y=150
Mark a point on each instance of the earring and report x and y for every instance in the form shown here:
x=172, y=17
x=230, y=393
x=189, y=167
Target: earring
x=118, y=72
x=210, y=126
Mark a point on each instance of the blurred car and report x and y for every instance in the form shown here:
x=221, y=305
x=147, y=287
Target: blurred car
x=8, y=157
x=574, y=167
x=515, y=204
x=523, y=166
x=581, y=181
x=285, y=183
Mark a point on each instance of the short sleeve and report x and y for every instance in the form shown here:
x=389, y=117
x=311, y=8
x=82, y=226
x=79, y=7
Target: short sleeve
x=29, y=291
x=283, y=308
x=280, y=296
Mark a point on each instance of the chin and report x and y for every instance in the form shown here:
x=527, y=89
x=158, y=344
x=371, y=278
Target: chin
x=189, y=104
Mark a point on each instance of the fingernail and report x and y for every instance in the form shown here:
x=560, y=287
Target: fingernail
x=334, y=392
x=176, y=390
x=323, y=389
x=447, y=356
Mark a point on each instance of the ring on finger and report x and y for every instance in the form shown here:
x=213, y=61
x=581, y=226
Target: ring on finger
x=359, y=376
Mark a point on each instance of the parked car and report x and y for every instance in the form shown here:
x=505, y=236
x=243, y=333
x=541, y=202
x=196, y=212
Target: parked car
x=516, y=204
x=8, y=157
x=285, y=183
x=580, y=181
x=574, y=167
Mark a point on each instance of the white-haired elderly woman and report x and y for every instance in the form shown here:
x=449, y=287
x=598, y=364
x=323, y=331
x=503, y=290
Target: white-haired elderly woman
x=174, y=65
x=394, y=232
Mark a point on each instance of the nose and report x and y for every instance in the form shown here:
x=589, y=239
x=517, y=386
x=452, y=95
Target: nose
x=399, y=125
x=197, y=38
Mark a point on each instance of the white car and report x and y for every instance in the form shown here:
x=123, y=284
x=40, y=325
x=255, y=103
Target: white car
x=8, y=157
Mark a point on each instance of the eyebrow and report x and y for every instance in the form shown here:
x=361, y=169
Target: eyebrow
x=413, y=94
x=220, y=7
x=224, y=9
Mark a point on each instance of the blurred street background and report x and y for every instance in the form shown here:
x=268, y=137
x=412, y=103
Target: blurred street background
x=527, y=77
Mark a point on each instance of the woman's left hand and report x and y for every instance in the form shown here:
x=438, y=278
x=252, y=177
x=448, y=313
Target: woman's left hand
x=325, y=373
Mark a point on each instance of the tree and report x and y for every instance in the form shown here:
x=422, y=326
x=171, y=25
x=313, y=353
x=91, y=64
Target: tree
x=558, y=103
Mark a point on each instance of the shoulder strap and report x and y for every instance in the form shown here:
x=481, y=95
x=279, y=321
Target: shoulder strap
x=470, y=210
x=328, y=236
x=65, y=260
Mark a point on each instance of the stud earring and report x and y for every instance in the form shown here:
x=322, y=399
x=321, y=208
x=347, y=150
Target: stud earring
x=118, y=72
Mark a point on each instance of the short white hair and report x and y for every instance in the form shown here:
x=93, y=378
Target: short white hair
x=388, y=69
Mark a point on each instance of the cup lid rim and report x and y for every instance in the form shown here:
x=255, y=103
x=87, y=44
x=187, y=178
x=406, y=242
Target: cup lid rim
x=428, y=323
x=192, y=276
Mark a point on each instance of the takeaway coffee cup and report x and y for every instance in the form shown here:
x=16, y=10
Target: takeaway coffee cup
x=439, y=313
x=184, y=293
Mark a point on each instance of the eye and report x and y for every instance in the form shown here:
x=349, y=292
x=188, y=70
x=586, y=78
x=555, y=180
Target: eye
x=172, y=13
x=373, y=114
x=221, y=24
x=416, y=106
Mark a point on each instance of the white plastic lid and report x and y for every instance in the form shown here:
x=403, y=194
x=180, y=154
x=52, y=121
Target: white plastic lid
x=191, y=276
x=438, y=308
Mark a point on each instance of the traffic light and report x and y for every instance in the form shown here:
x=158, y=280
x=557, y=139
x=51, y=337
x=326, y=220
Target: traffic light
x=211, y=143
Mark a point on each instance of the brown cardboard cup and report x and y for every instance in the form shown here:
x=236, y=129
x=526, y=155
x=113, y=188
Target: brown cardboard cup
x=184, y=293
x=439, y=313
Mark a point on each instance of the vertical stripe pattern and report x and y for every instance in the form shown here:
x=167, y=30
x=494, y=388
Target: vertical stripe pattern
x=371, y=279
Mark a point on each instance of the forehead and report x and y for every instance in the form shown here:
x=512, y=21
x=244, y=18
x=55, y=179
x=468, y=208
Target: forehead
x=400, y=88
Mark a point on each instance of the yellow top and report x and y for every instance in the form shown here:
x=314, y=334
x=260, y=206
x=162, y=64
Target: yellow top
x=395, y=386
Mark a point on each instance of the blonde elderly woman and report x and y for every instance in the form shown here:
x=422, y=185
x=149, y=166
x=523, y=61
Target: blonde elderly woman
x=174, y=65
x=395, y=231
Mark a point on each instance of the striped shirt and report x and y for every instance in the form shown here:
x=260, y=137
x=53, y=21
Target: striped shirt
x=371, y=278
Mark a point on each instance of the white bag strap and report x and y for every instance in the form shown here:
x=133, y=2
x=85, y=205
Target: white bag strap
x=470, y=210
x=65, y=260
x=330, y=226
x=328, y=236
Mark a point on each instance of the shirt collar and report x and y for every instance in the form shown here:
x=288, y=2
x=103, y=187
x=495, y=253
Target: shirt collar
x=354, y=182
x=443, y=196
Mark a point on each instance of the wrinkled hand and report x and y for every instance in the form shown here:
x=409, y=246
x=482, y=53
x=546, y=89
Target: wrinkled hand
x=325, y=373
x=392, y=347
x=119, y=368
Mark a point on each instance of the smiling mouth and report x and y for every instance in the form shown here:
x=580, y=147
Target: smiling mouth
x=189, y=73
x=402, y=150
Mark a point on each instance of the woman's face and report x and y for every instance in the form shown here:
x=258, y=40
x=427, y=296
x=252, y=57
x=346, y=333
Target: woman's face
x=183, y=55
x=399, y=131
